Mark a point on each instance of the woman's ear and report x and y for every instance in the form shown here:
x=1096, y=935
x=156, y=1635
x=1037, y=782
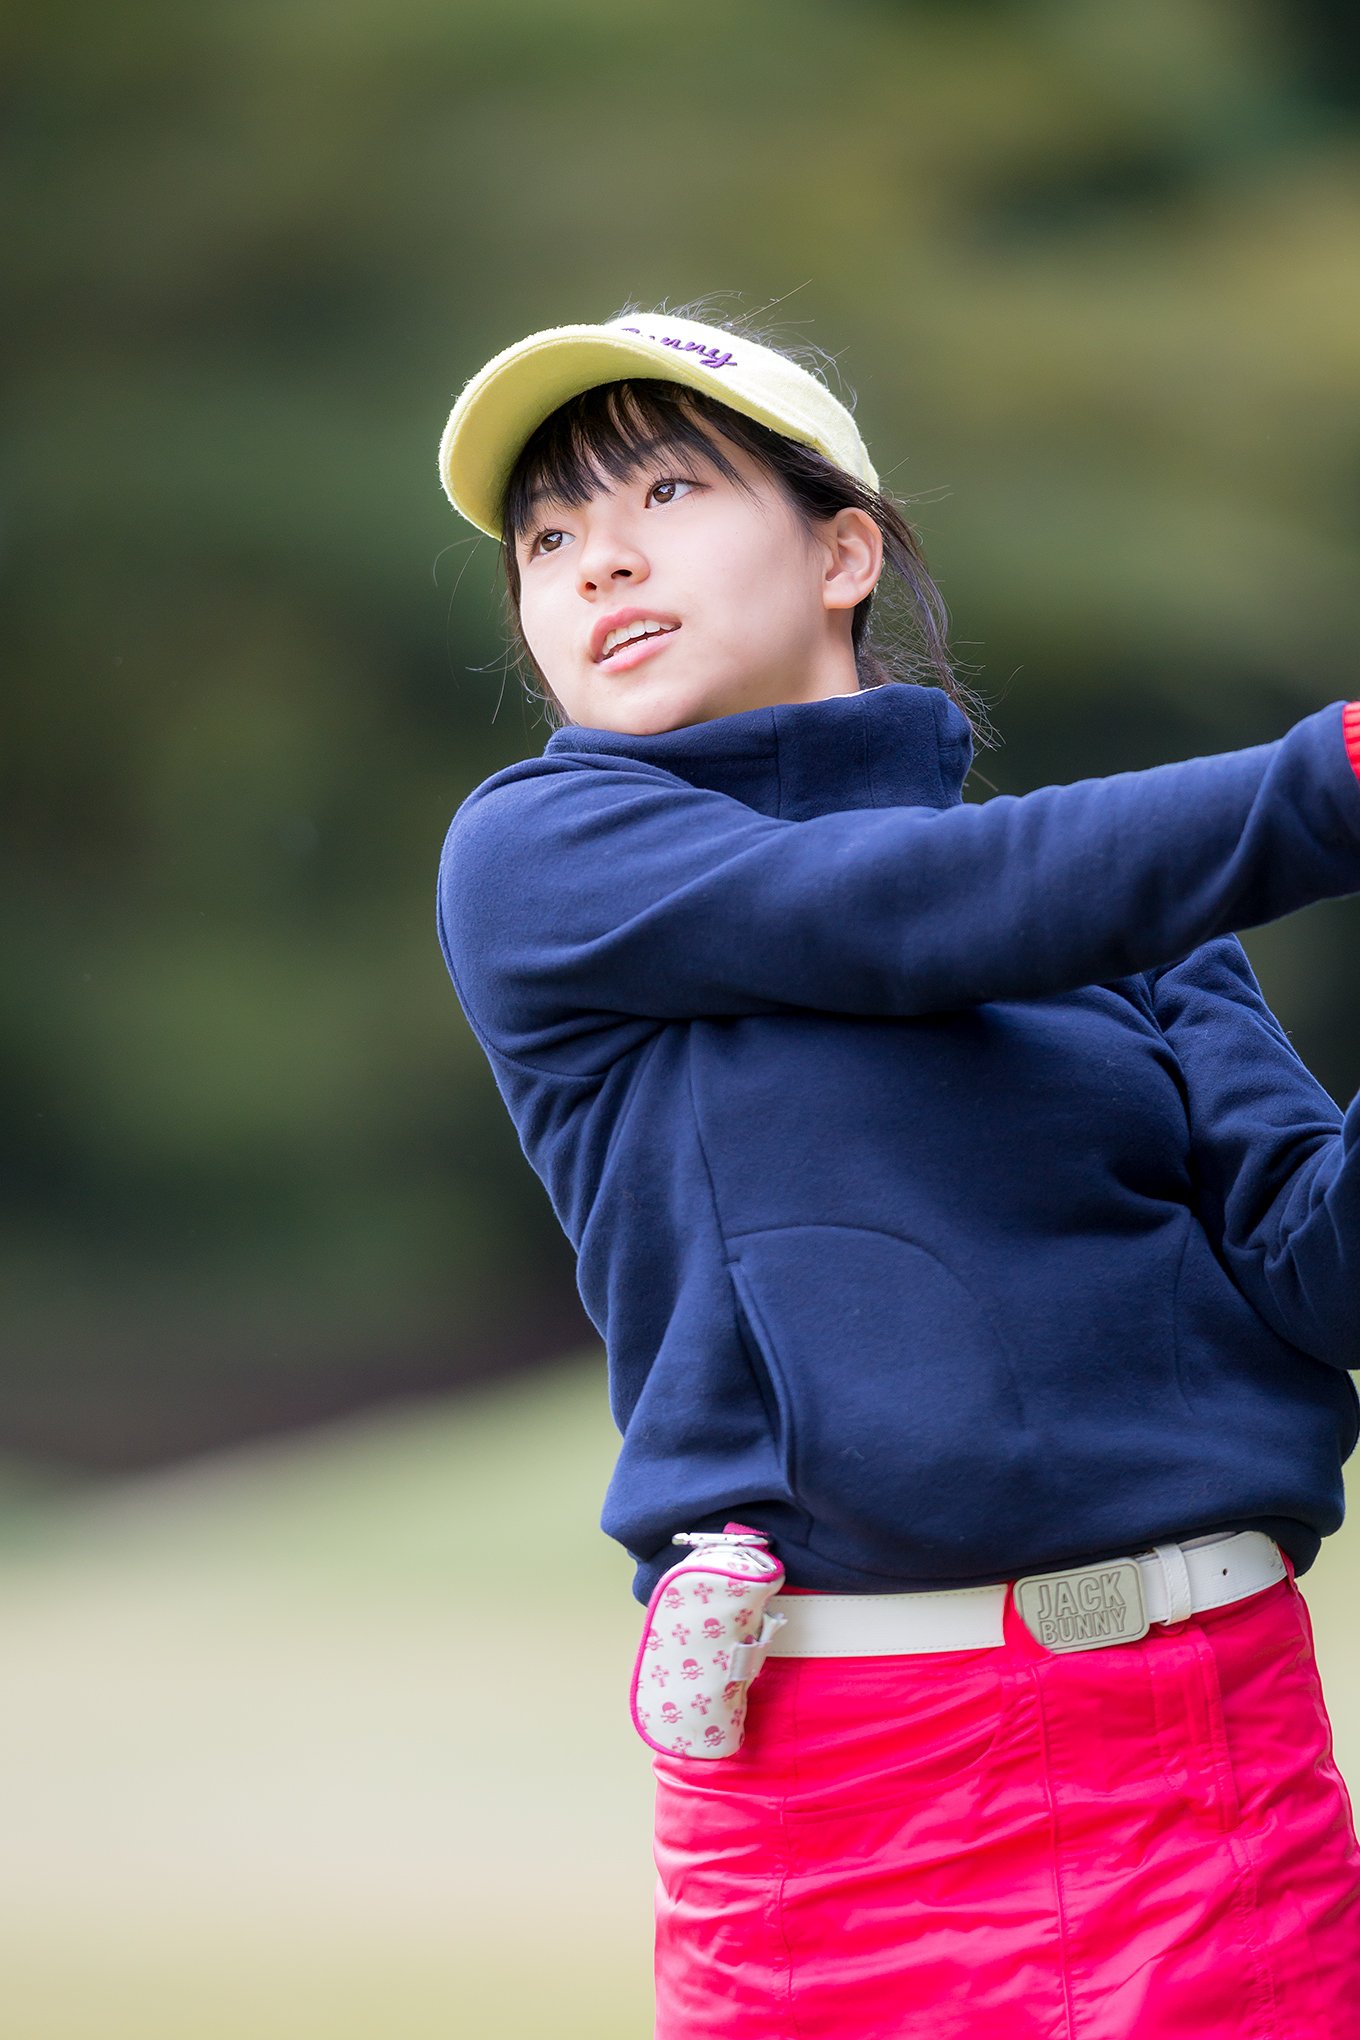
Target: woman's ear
x=854, y=550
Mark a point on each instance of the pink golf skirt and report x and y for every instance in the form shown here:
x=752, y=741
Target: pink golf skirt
x=1149, y=1842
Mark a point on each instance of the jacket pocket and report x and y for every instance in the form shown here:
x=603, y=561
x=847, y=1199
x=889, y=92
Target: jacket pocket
x=897, y=1408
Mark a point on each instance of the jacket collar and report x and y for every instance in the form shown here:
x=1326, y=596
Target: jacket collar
x=895, y=745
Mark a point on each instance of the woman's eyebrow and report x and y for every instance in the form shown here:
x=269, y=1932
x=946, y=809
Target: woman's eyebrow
x=541, y=501
x=544, y=497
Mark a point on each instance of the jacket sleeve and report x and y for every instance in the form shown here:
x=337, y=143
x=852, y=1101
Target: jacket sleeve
x=573, y=896
x=1277, y=1169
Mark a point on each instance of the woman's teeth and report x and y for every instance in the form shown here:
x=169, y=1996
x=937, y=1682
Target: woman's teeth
x=648, y=627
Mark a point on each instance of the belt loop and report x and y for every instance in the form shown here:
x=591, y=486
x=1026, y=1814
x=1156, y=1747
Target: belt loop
x=1176, y=1580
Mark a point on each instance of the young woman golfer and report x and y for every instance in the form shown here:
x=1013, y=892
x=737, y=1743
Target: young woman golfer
x=967, y=1239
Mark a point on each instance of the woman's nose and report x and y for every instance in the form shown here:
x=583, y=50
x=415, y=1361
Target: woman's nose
x=608, y=557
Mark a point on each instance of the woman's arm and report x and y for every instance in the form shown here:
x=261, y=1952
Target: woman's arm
x=1277, y=1170
x=572, y=894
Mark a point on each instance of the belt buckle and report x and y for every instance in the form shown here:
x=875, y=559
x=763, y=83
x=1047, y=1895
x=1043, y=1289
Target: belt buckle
x=1088, y=1608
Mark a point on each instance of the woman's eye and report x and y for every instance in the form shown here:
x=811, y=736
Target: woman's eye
x=666, y=491
x=548, y=542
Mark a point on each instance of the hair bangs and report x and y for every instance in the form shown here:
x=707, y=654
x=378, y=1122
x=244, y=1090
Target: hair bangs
x=604, y=436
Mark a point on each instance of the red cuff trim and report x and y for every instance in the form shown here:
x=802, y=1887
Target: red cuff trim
x=1350, y=724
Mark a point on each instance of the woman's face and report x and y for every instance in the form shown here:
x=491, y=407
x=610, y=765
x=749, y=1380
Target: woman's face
x=743, y=605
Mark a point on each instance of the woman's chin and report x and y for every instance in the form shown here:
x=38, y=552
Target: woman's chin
x=650, y=710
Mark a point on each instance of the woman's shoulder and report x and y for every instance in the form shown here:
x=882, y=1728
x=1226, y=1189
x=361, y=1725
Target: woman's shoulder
x=555, y=802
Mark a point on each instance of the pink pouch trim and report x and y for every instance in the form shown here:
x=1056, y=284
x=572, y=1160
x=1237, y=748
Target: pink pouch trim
x=1350, y=724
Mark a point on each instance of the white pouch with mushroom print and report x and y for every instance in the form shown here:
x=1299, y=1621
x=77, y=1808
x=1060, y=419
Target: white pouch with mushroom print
x=704, y=1640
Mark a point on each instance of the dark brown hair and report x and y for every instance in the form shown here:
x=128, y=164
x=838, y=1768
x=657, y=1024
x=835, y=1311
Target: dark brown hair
x=608, y=433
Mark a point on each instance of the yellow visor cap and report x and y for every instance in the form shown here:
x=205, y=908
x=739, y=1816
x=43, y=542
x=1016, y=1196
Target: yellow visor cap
x=506, y=402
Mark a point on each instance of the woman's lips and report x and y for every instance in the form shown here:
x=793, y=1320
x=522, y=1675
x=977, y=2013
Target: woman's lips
x=637, y=649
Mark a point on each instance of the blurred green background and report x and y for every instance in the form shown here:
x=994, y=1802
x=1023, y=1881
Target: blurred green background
x=285, y=1317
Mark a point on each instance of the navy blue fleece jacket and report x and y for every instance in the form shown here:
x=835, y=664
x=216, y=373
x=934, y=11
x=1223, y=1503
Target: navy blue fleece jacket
x=949, y=1201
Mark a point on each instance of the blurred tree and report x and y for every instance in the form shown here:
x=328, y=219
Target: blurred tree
x=1093, y=267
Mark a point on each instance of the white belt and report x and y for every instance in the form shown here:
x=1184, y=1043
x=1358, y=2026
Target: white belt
x=1087, y=1607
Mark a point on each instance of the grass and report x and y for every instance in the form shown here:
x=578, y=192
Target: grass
x=330, y=1737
